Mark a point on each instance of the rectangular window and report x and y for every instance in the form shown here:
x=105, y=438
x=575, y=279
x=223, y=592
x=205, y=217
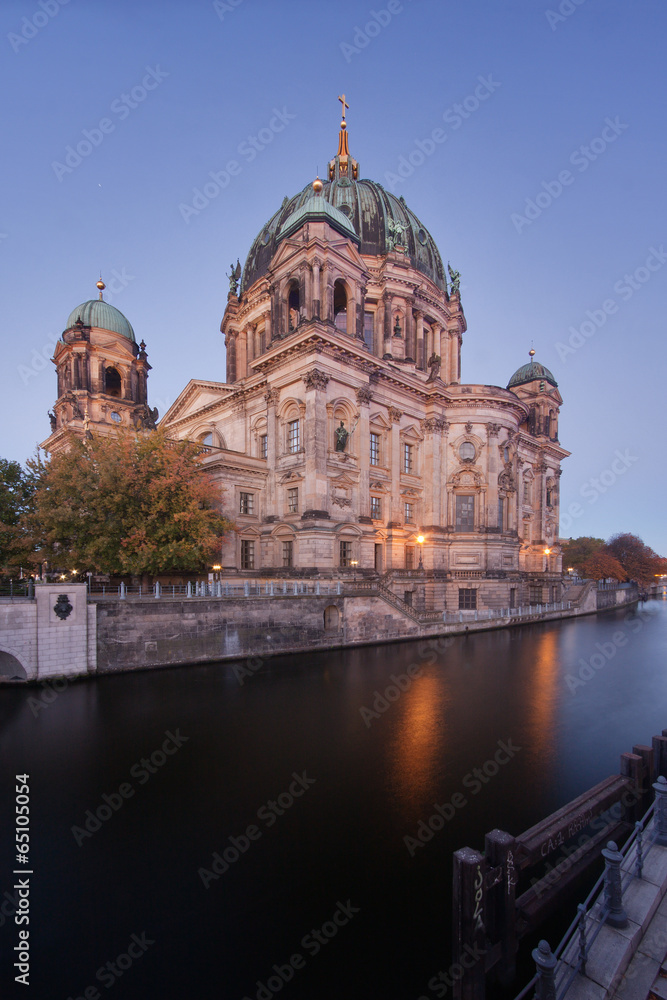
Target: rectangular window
x=407, y=458
x=264, y=446
x=247, y=554
x=535, y=594
x=378, y=557
x=293, y=500
x=288, y=552
x=409, y=512
x=247, y=503
x=369, y=318
x=409, y=557
x=467, y=599
x=375, y=449
x=407, y=597
x=465, y=513
x=345, y=553
x=526, y=493
x=376, y=508
x=512, y=597
x=501, y=513
x=293, y=436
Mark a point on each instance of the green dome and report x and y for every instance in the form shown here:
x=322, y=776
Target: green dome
x=529, y=373
x=102, y=314
x=318, y=208
x=372, y=213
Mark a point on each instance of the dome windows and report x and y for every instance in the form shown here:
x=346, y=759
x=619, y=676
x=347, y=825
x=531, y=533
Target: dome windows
x=340, y=306
x=113, y=383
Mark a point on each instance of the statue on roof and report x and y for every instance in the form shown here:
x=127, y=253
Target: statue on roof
x=234, y=276
x=455, y=277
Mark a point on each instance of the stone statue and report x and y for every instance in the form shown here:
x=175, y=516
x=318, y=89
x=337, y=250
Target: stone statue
x=234, y=277
x=341, y=437
x=396, y=239
x=455, y=279
x=54, y=422
x=434, y=365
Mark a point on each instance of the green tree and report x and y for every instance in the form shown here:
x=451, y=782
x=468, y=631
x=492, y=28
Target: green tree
x=16, y=490
x=577, y=551
x=128, y=504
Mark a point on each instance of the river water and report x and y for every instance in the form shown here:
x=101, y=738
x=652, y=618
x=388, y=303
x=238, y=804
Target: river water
x=256, y=831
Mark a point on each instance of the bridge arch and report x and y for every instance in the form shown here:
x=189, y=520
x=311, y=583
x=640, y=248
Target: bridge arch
x=11, y=668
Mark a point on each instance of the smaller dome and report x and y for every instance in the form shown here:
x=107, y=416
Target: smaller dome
x=317, y=207
x=529, y=373
x=97, y=312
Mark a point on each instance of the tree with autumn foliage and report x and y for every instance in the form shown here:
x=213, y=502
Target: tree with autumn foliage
x=127, y=504
x=623, y=557
x=639, y=562
x=16, y=490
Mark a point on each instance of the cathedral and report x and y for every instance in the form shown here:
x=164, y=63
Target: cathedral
x=342, y=438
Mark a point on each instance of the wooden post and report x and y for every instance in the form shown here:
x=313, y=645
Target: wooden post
x=646, y=754
x=659, y=757
x=469, y=900
x=500, y=850
x=632, y=766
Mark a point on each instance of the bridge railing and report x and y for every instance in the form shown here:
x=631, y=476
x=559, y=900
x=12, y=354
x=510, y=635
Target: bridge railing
x=604, y=904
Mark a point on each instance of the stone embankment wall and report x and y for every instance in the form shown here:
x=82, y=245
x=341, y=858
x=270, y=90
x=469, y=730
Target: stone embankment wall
x=112, y=635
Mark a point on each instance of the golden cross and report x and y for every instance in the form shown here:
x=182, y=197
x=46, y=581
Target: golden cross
x=342, y=101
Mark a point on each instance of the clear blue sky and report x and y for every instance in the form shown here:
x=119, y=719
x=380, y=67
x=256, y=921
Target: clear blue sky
x=553, y=83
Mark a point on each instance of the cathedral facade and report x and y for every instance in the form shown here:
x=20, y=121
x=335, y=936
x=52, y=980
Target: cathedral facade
x=342, y=437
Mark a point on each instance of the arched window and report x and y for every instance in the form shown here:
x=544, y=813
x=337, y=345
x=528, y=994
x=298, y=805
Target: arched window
x=112, y=383
x=293, y=306
x=340, y=307
x=206, y=438
x=331, y=617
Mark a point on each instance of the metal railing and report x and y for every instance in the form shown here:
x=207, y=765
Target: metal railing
x=557, y=970
x=486, y=614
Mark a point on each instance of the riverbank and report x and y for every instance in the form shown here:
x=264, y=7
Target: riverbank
x=111, y=633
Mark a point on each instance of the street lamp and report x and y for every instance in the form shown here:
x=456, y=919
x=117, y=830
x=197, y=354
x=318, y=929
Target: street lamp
x=420, y=540
x=547, y=553
x=354, y=563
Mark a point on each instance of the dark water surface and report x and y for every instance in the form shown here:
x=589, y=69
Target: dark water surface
x=364, y=788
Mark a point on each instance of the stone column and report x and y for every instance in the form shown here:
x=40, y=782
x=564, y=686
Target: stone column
x=493, y=468
x=271, y=396
x=420, y=341
x=241, y=354
x=267, y=330
x=362, y=445
x=410, y=351
x=395, y=467
x=386, y=332
x=361, y=300
x=316, y=295
x=314, y=424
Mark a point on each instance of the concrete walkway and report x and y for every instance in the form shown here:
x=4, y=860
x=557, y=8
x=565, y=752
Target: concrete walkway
x=628, y=964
